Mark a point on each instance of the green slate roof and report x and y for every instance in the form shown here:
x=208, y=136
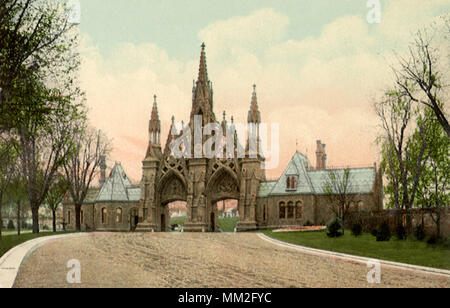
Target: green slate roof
x=312, y=181
x=118, y=187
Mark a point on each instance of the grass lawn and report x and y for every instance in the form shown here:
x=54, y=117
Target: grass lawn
x=178, y=220
x=11, y=240
x=408, y=251
x=225, y=224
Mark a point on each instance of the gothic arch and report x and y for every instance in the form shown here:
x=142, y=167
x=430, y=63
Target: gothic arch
x=172, y=187
x=223, y=184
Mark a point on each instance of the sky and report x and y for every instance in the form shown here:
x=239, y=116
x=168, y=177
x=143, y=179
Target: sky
x=318, y=66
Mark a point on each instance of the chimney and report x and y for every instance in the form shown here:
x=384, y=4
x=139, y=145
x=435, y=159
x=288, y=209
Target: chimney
x=321, y=156
x=102, y=170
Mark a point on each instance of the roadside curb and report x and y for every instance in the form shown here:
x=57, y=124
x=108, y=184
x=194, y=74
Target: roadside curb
x=354, y=258
x=10, y=262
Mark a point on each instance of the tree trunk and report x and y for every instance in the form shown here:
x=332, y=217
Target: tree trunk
x=18, y=219
x=35, y=216
x=1, y=218
x=54, y=220
x=78, y=217
x=409, y=227
x=438, y=223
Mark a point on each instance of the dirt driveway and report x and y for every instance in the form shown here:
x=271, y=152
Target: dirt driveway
x=199, y=260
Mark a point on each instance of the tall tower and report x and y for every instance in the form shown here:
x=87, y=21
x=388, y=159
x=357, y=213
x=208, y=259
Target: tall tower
x=201, y=114
x=150, y=167
x=252, y=172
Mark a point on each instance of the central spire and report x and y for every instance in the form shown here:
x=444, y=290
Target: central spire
x=202, y=70
x=202, y=93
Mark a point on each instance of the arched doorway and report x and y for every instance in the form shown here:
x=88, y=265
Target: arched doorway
x=178, y=215
x=222, y=190
x=173, y=189
x=228, y=214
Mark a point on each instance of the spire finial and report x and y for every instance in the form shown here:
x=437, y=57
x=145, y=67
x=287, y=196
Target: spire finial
x=173, y=119
x=224, y=114
x=154, y=99
x=202, y=72
x=254, y=88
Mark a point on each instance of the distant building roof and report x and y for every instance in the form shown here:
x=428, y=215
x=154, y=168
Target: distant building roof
x=118, y=187
x=311, y=181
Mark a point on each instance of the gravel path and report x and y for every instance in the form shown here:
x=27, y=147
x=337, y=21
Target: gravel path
x=199, y=260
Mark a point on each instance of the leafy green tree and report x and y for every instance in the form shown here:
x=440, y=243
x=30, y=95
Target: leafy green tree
x=16, y=195
x=48, y=103
x=55, y=196
x=433, y=191
x=7, y=160
x=32, y=38
x=402, y=158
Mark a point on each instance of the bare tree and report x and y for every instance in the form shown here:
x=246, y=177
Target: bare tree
x=339, y=189
x=55, y=196
x=402, y=163
x=419, y=77
x=83, y=166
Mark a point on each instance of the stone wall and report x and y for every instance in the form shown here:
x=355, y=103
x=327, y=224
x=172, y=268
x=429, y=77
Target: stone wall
x=371, y=219
x=92, y=216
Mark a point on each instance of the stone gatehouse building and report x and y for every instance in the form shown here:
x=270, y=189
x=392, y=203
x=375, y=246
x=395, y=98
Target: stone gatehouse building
x=295, y=198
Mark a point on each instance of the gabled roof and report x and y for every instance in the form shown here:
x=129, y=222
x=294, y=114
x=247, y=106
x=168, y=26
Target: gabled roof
x=91, y=195
x=118, y=187
x=311, y=181
x=298, y=167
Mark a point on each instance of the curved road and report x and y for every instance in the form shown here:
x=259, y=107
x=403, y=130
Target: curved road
x=199, y=260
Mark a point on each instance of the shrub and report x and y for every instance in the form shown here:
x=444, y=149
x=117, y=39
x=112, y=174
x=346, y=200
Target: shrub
x=432, y=240
x=383, y=233
x=419, y=232
x=400, y=232
x=334, y=228
x=45, y=227
x=11, y=225
x=308, y=223
x=356, y=229
x=374, y=232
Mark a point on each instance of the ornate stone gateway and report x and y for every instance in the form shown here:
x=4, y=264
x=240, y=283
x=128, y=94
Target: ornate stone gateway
x=199, y=181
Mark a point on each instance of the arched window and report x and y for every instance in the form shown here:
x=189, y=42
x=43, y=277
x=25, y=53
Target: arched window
x=104, y=213
x=82, y=216
x=282, y=209
x=290, y=210
x=68, y=217
x=119, y=216
x=299, y=210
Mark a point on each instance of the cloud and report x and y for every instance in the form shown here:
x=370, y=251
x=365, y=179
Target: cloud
x=316, y=88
